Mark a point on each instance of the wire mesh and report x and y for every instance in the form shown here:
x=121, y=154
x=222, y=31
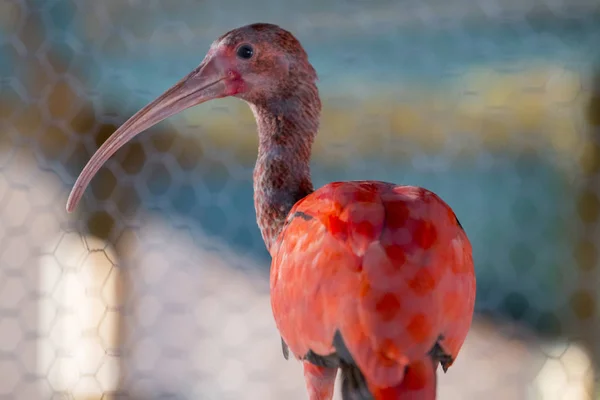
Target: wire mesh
x=157, y=287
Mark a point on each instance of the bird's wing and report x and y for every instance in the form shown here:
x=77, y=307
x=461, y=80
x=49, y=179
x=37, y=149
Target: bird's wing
x=386, y=266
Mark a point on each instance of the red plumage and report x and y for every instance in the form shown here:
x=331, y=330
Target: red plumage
x=387, y=266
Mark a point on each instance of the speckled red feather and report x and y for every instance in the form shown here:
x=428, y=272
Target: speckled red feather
x=388, y=266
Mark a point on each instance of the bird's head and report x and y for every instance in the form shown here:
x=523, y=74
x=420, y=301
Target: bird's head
x=261, y=63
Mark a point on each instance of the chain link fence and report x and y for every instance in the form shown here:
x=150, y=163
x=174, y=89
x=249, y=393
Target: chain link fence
x=157, y=287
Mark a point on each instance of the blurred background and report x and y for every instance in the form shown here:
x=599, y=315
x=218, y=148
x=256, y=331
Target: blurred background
x=157, y=286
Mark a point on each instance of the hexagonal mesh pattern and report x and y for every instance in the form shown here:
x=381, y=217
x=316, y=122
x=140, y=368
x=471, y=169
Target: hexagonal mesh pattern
x=157, y=287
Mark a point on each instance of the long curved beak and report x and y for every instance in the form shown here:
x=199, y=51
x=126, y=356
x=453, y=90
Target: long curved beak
x=203, y=84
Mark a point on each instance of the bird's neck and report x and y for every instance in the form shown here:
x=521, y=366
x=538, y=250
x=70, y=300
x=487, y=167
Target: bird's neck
x=282, y=172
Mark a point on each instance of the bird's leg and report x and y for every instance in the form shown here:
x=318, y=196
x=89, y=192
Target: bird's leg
x=319, y=381
x=419, y=383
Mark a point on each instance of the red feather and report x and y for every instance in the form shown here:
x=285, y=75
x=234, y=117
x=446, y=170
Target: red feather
x=387, y=266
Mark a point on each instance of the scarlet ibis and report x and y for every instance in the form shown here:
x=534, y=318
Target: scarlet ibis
x=368, y=277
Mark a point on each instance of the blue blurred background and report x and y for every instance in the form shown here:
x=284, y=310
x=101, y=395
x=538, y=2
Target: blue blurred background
x=157, y=287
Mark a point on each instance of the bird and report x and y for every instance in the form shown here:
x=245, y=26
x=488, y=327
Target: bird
x=370, y=279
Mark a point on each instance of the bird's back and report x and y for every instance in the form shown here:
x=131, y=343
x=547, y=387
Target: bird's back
x=387, y=268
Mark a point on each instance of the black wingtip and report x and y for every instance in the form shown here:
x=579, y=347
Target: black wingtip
x=285, y=350
x=458, y=222
x=439, y=355
x=354, y=384
x=302, y=215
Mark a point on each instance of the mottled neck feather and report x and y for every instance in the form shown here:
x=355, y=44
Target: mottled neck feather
x=286, y=130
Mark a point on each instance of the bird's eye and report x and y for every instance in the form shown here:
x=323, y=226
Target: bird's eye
x=245, y=52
